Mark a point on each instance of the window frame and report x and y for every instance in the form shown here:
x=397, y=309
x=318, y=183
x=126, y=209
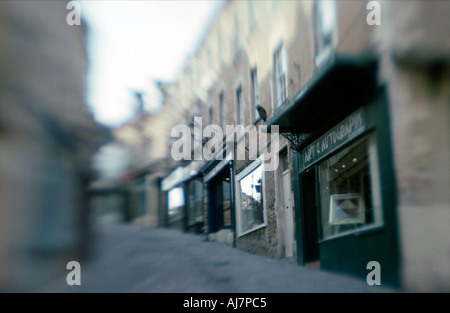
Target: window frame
x=222, y=110
x=322, y=48
x=279, y=76
x=240, y=107
x=244, y=173
x=255, y=94
x=193, y=187
x=375, y=182
x=211, y=114
x=174, y=213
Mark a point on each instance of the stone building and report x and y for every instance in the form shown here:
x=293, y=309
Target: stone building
x=415, y=57
x=359, y=93
x=48, y=136
x=146, y=140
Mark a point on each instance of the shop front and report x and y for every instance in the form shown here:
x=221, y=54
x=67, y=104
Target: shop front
x=218, y=179
x=184, y=192
x=343, y=177
x=195, y=215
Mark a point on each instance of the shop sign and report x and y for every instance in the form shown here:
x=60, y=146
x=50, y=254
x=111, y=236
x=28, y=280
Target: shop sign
x=352, y=126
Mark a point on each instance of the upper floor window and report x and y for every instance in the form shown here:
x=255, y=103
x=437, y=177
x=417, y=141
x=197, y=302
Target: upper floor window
x=221, y=111
x=279, y=71
x=219, y=45
x=237, y=34
x=252, y=14
x=255, y=93
x=324, y=25
x=211, y=115
x=240, y=107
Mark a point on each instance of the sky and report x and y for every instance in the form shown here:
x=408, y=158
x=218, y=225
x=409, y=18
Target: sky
x=133, y=43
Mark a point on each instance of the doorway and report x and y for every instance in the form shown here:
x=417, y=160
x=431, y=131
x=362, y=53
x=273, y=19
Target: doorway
x=220, y=201
x=287, y=216
x=311, y=252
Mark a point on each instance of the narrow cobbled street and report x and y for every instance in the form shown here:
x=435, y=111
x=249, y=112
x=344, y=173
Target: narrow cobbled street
x=129, y=258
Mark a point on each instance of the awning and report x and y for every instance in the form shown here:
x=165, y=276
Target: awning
x=336, y=89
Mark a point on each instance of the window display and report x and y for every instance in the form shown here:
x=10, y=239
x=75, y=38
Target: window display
x=349, y=189
x=250, y=204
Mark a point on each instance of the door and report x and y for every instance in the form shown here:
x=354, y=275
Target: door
x=220, y=201
x=311, y=218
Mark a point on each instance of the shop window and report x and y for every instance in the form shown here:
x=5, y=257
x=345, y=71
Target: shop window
x=175, y=204
x=198, y=200
x=190, y=203
x=226, y=193
x=349, y=190
x=138, y=203
x=250, y=199
x=194, y=202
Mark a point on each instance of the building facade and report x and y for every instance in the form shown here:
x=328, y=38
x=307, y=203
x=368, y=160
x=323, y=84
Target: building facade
x=350, y=96
x=48, y=136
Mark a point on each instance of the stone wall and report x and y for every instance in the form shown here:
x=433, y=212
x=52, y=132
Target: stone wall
x=47, y=138
x=416, y=69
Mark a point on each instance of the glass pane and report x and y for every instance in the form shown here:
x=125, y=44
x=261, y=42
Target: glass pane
x=175, y=204
x=327, y=12
x=255, y=92
x=251, y=200
x=284, y=161
x=190, y=203
x=198, y=200
x=226, y=202
x=346, y=190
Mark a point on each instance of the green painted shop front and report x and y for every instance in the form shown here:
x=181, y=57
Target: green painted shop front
x=343, y=173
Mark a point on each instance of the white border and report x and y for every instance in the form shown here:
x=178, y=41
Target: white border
x=240, y=176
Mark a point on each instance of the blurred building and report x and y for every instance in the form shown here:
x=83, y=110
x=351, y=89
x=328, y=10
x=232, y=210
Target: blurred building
x=47, y=139
x=363, y=114
x=359, y=91
x=414, y=54
x=146, y=139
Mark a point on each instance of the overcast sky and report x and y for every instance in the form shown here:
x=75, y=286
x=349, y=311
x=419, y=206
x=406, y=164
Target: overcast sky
x=131, y=43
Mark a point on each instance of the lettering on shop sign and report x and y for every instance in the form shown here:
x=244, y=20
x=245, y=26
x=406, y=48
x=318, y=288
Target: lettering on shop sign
x=345, y=131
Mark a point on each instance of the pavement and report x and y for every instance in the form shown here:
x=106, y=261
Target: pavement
x=135, y=259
